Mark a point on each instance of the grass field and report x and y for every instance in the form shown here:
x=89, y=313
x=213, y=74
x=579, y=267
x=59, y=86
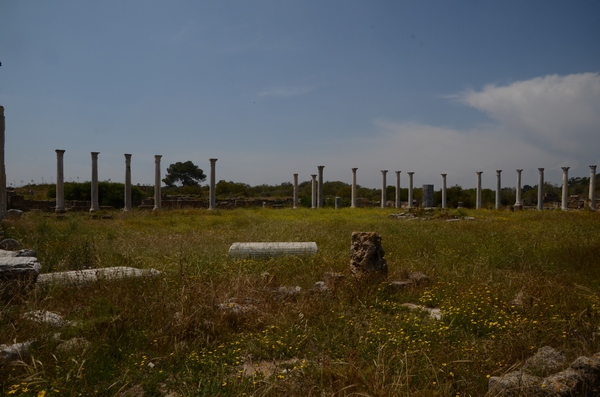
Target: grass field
x=161, y=335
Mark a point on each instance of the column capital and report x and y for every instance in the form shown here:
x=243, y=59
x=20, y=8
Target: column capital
x=565, y=169
x=479, y=173
x=398, y=172
x=320, y=167
x=60, y=152
x=498, y=172
x=540, y=170
x=95, y=154
x=127, y=155
x=519, y=170
x=443, y=175
x=212, y=161
x=410, y=173
x=384, y=171
x=593, y=168
x=354, y=169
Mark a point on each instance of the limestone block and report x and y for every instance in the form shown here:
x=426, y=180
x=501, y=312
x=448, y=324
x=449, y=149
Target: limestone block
x=93, y=275
x=22, y=253
x=46, y=317
x=320, y=287
x=517, y=383
x=14, y=352
x=16, y=267
x=73, y=344
x=272, y=249
x=366, y=261
x=13, y=213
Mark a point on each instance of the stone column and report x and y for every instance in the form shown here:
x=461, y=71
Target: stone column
x=592, y=193
x=498, y=187
x=295, y=190
x=383, y=189
x=444, y=190
x=427, y=198
x=314, y=191
x=157, y=189
x=565, y=189
x=212, y=201
x=478, y=198
x=353, y=198
x=3, y=204
x=95, y=206
x=518, y=202
x=320, y=192
x=127, y=206
x=338, y=203
x=410, y=189
x=398, y=203
x=540, y=205
x=60, y=182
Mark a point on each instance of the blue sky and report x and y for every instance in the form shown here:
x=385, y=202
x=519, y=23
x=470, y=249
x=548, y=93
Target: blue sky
x=273, y=88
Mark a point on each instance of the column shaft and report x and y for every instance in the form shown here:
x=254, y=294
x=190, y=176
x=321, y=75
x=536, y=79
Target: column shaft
x=518, y=203
x=540, y=204
x=157, y=187
x=295, y=191
x=127, y=206
x=320, y=192
x=384, y=189
x=95, y=206
x=314, y=191
x=592, y=192
x=498, y=187
x=3, y=203
x=353, y=198
x=60, y=181
x=410, y=189
x=444, y=190
x=212, y=201
x=398, y=203
x=478, y=198
x=565, y=189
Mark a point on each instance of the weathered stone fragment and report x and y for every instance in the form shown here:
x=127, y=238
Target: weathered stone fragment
x=320, y=287
x=24, y=269
x=14, y=352
x=93, y=275
x=46, y=317
x=333, y=279
x=367, y=262
x=517, y=383
x=272, y=249
x=546, y=361
x=73, y=344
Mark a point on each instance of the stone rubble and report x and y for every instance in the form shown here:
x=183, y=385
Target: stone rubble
x=581, y=378
x=367, y=260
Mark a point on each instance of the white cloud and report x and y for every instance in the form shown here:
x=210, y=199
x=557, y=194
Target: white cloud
x=559, y=113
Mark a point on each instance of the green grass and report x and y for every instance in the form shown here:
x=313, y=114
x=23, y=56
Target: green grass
x=167, y=333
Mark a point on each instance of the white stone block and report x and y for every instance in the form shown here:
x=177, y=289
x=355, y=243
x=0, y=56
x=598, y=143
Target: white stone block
x=271, y=249
x=92, y=275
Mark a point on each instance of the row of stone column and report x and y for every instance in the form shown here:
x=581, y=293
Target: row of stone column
x=95, y=206
x=317, y=187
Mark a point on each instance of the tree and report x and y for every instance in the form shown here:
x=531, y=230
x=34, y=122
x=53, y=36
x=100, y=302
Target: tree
x=185, y=174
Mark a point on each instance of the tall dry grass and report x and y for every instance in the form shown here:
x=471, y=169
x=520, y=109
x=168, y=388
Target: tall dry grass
x=167, y=334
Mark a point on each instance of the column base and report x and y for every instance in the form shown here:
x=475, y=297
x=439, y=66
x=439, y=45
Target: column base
x=518, y=207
